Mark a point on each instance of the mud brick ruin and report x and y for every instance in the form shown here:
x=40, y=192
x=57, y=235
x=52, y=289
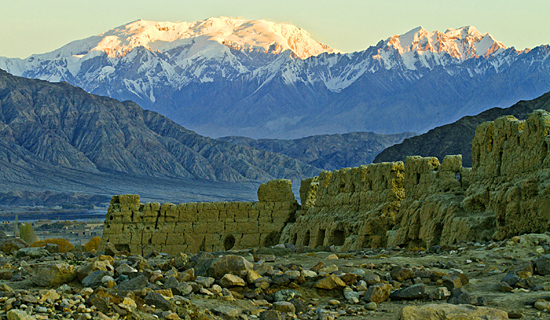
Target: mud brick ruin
x=421, y=202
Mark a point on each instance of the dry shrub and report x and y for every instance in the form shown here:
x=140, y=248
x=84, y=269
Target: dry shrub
x=27, y=233
x=92, y=244
x=64, y=244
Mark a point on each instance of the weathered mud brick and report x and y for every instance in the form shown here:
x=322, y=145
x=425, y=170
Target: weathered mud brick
x=183, y=227
x=169, y=212
x=208, y=215
x=215, y=227
x=249, y=241
x=227, y=216
x=188, y=212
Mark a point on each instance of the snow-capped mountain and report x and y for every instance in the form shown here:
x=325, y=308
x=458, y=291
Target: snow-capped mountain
x=225, y=76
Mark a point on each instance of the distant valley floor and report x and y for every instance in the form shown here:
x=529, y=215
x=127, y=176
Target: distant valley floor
x=83, y=188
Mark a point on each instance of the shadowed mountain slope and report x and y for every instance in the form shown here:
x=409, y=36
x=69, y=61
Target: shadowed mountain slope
x=63, y=129
x=456, y=138
x=328, y=152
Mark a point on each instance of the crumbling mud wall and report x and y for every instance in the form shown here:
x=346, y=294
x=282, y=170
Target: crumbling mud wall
x=351, y=207
x=511, y=174
x=432, y=211
x=192, y=227
x=419, y=203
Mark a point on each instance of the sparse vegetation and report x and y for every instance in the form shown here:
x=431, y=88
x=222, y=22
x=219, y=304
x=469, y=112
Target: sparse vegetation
x=92, y=244
x=27, y=233
x=64, y=244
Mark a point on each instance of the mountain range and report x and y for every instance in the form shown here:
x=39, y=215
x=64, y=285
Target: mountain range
x=260, y=79
x=54, y=136
x=329, y=151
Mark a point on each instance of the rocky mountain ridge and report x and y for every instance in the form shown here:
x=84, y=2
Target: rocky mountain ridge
x=60, y=134
x=259, y=84
x=328, y=152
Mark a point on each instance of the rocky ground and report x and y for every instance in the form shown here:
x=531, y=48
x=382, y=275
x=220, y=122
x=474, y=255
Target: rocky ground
x=496, y=280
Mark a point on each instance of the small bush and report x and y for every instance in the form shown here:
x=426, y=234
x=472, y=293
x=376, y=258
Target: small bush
x=64, y=244
x=92, y=244
x=27, y=233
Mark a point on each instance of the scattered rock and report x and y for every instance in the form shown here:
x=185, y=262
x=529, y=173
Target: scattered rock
x=371, y=306
x=440, y=293
x=228, y=311
x=157, y=300
x=329, y=283
x=448, y=311
x=378, y=293
x=53, y=274
x=416, y=291
x=218, y=267
x=229, y=281
x=286, y=295
x=401, y=274
x=542, y=265
x=284, y=306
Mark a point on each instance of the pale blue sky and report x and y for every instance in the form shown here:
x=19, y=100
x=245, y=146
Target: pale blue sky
x=38, y=26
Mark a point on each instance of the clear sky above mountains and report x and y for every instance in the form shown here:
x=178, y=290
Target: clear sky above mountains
x=31, y=26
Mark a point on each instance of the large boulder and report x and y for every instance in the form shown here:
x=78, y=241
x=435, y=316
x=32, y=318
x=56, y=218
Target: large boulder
x=450, y=312
x=53, y=274
x=220, y=266
x=11, y=245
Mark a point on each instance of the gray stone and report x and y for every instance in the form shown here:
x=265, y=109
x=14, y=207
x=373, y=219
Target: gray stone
x=372, y=279
x=228, y=311
x=32, y=252
x=136, y=283
x=461, y=296
x=511, y=279
x=205, y=281
x=416, y=291
x=183, y=289
x=171, y=282
x=218, y=267
x=180, y=260
x=157, y=300
x=286, y=295
x=99, y=302
x=124, y=268
x=93, y=280
x=542, y=265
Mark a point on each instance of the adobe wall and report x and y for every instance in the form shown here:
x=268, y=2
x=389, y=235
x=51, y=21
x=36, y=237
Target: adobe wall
x=511, y=172
x=192, y=227
x=351, y=207
x=419, y=203
x=504, y=194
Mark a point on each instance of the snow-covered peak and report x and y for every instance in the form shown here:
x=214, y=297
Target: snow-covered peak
x=462, y=43
x=240, y=34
